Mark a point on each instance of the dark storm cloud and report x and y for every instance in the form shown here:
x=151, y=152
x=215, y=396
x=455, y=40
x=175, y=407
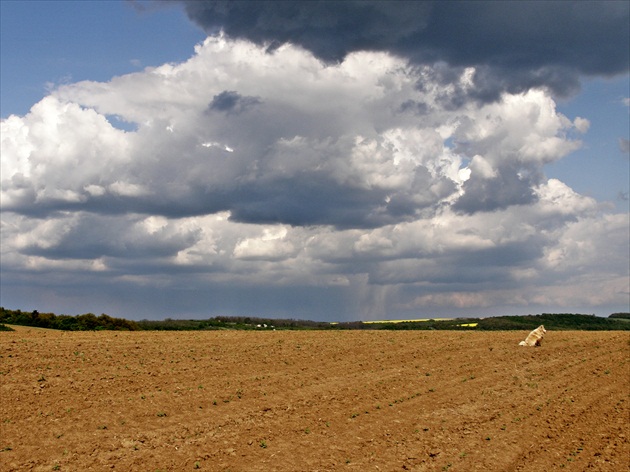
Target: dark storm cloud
x=230, y=101
x=490, y=81
x=88, y=236
x=463, y=267
x=309, y=199
x=511, y=186
x=412, y=106
x=514, y=45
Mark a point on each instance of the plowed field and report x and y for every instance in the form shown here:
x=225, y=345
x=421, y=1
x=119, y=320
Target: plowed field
x=313, y=401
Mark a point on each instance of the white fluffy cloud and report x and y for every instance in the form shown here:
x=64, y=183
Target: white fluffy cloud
x=258, y=174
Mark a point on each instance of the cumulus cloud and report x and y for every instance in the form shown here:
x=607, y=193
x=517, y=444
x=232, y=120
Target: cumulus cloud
x=338, y=190
x=514, y=46
x=333, y=145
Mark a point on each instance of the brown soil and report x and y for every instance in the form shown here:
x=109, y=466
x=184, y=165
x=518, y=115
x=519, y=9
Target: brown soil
x=313, y=401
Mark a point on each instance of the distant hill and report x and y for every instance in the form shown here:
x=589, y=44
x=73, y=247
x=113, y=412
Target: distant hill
x=555, y=321
x=89, y=321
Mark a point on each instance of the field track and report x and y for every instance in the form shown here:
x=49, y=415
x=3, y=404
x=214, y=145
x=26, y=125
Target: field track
x=313, y=401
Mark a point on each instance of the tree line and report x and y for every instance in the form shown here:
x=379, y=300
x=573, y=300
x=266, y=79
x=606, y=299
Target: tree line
x=91, y=322
x=85, y=322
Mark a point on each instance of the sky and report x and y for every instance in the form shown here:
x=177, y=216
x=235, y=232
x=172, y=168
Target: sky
x=329, y=161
